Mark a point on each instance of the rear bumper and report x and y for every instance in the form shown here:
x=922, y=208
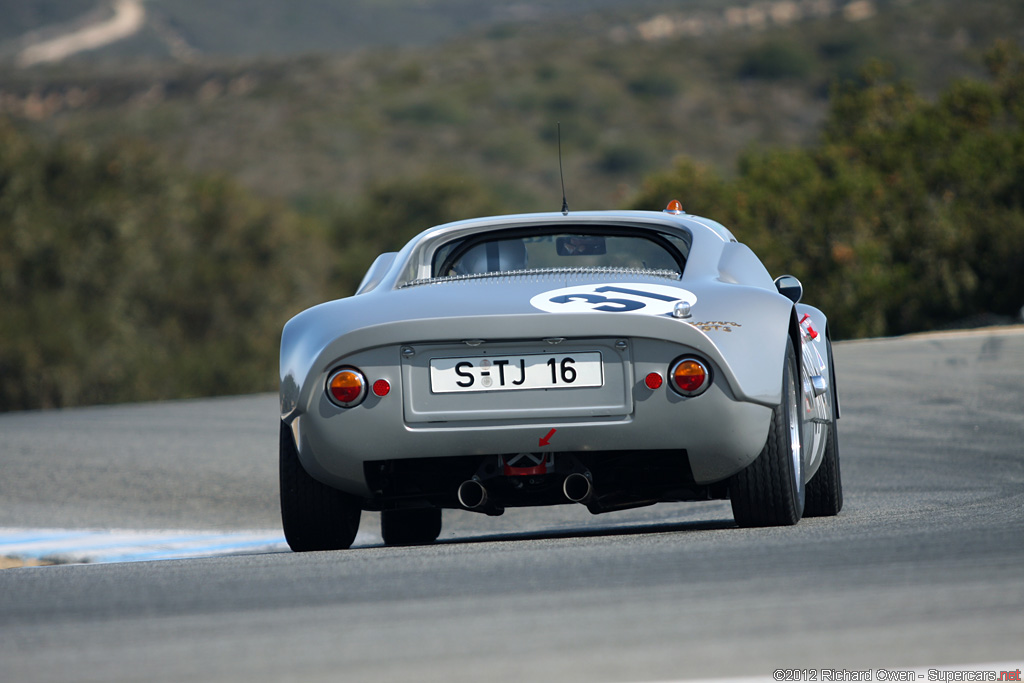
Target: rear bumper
x=719, y=434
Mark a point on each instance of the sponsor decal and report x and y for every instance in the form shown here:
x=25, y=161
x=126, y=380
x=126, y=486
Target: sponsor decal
x=715, y=326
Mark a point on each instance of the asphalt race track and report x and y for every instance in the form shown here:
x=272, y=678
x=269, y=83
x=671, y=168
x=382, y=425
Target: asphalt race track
x=923, y=568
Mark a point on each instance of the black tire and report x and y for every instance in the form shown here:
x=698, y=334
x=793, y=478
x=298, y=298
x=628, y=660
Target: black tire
x=314, y=515
x=825, y=489
x=770, y=491
x=418, y=526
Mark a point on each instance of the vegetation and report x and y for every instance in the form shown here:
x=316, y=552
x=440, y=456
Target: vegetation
x=907, y=216
x=324, y=128
x=124, y=279
x=160, y=222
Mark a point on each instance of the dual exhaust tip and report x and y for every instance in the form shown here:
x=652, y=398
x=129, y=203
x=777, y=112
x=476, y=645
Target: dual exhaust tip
x=577, y=488
x=472, y=494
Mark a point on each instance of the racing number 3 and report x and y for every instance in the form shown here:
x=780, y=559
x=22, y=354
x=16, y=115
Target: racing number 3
x=609, y=304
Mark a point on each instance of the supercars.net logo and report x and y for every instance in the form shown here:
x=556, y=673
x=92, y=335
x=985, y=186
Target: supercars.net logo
x=943, y=675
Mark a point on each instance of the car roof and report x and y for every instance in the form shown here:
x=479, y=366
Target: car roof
x=413, y=262
x=685, y=225
x=659, y=220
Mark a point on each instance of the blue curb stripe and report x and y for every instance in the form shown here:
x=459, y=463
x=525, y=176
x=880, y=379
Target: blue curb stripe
x=96, y=546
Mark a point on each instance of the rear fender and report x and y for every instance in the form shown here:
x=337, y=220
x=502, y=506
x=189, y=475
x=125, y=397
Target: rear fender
x=376, y=273
x=749, y=354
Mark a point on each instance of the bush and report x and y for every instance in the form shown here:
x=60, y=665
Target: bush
x=776, y=60
x=125, y=279
x=908, y=215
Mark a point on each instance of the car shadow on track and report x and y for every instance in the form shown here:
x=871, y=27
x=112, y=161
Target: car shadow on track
x=592, y=532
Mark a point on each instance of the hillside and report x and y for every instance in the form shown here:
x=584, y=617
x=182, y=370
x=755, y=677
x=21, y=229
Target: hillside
x=162, y=216
x=632, y=89
x=260, y=28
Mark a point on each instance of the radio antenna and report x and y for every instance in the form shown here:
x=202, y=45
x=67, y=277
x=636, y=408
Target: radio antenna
x=561, y=176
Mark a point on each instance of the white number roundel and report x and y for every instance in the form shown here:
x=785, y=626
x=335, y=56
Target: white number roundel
x=646, y=298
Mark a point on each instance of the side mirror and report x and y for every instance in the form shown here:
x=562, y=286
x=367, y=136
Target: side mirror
x=790, y=288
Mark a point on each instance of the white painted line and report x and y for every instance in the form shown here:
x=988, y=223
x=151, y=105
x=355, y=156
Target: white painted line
x=66, y=546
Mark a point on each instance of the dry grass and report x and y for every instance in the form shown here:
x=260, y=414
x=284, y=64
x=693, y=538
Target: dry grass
x=16, y=562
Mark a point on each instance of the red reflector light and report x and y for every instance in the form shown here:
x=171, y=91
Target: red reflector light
x=806, y=324
x=381, y=387
x=653, y=381
x=346, y=387
x=690, y=377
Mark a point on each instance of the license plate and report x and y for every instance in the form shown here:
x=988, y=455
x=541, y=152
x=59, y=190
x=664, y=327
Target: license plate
x=507, y=373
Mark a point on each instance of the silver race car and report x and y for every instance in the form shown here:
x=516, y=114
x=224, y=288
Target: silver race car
x=612, y=359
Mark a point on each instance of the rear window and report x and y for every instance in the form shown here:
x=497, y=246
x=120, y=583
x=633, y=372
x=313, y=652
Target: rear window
x=547, y=249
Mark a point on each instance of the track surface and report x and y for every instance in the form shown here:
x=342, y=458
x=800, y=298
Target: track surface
x=924, y=566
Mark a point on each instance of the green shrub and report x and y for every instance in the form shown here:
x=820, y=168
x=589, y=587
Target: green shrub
x=124, y=279
x=776, y=60
x=908, y=214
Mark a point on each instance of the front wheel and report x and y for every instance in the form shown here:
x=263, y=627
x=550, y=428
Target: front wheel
x=770, y=491
x=314, y=515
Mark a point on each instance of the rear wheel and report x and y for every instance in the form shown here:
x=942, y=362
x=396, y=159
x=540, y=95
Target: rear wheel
x=825, y=489
x=410, y=527
x=314, y=515
x=770, y=491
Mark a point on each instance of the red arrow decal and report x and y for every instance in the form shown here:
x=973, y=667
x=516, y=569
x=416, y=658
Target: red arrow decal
x=547, y=439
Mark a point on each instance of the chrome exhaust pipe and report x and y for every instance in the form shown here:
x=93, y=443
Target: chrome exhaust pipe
x=472, y=494
x=577, y=487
